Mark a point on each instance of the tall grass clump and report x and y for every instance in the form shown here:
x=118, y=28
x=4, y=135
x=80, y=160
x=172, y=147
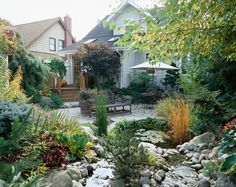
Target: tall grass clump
x=179, y=120
x=101, y=113
x=177, y=114
x=163, y=107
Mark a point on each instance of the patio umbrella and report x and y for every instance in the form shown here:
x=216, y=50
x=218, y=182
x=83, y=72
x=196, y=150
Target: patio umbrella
x=149, y=65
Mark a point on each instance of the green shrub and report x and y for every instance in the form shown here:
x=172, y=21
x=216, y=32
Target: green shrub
x=23, y=166
x=57, y=66
x=129, y=158
x=9, y=112
x=46, y=102
x=134, y=125
x=35, y=72
x=57, y=100
x=101, y=114
x=207, y=114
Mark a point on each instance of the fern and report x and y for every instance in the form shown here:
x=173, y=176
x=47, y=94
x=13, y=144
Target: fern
x=15, y=91
x=11, y=90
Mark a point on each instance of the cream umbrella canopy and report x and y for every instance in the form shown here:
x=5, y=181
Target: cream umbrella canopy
x=151, y=65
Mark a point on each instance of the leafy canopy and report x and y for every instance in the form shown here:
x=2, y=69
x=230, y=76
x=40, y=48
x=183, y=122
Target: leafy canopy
x=182, y=27
x=57, y=66
x=99, y=60
x=35, y=72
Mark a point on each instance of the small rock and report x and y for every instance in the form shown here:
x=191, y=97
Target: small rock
x=186, y=151
x=202, y=146
x=84, y=172
x=165, y=155
x=76, y=184
x=146, y=173
x=214, y=153
x=83, y=181
x=189, y=155
x=204, y=183
x=201, y=157
x=161, y=173
x=196, y=166
x=204, y=162
x=157, y=178
x=205, y=151
x=195, y=161
x=144, y=180
x=196, y=155
x=159, y=151
x=74, y=174
x=153, y=182
x=211, y=145
x=187, y=146
x=187, y=163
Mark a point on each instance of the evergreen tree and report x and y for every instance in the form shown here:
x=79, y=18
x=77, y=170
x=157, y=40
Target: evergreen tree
x=172, y=77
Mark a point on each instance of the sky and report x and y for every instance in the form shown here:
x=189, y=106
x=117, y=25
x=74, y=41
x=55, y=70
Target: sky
x=85, y=14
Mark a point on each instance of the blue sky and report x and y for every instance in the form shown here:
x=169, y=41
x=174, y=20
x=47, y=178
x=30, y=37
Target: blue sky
x=85, y=14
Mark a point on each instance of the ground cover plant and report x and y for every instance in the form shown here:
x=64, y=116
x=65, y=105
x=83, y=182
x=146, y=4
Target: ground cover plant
x=40, y=141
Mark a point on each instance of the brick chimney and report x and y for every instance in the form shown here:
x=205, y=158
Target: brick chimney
x=68, y=36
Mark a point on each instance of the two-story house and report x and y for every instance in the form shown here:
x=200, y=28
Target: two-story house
x=46, y=38
x=128, y=10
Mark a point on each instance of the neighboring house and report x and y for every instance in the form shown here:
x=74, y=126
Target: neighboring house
x=126, y=11
x=44, y=39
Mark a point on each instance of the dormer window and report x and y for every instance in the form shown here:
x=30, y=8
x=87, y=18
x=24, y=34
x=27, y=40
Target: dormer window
x=60, y=44
x=52, y=44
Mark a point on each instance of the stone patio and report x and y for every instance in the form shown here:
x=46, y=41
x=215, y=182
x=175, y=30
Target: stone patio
x=138, y=112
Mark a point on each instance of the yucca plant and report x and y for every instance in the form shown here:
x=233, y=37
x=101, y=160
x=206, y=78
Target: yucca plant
x=101, y=114
x=179, y=119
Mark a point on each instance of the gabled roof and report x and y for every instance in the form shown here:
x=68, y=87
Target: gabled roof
x=30, y=32
x=98, y=33
x=122, y=6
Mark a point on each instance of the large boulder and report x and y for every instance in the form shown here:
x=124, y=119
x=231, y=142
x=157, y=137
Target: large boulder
x=205, y=138
x=61, y=179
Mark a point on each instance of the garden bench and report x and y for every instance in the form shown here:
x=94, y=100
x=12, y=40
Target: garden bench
x=113, y=108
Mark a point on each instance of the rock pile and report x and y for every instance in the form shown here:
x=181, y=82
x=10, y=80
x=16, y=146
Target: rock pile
x=185, y=170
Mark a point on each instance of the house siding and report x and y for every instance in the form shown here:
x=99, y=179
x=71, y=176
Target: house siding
x=42, y=43
x=129, y=60
x=129, y=13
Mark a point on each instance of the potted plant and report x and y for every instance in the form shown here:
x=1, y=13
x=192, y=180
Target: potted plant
x=86, y=101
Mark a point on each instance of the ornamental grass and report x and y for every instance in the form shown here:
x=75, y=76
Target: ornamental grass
x=179, y=119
